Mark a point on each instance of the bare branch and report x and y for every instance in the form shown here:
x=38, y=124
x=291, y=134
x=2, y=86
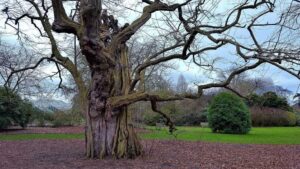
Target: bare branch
x=230, y=77
x=127, y=32
x=28, y=68
x=62, y=23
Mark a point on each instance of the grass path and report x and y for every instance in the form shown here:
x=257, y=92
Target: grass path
x=271, y=135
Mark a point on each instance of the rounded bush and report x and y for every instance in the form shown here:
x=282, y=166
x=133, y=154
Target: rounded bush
x=229, y=114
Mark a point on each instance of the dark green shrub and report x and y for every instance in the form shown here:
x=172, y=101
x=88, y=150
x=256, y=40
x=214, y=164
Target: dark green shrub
x=266, y=116
x=8, y=107
x=5, y=121
x=229, y=114
x=24, y=113
x=14, y=110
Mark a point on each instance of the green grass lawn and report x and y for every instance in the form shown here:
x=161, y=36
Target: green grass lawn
x=16, y=137
x=271, y=135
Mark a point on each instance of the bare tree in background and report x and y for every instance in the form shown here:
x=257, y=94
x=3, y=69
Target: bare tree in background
x=187, y=31
x=15, y=58
x=182, y=85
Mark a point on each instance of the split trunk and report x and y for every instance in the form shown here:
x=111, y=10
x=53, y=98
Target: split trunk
x=109, y=130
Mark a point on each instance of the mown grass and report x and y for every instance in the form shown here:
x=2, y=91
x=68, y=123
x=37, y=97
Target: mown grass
x=16, y=137
x=271, y=135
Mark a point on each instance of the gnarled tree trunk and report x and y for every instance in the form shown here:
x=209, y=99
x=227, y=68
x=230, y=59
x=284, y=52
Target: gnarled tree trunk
x=112, y=136
x=109, y=131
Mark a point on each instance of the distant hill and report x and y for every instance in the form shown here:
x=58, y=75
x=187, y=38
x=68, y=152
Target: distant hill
x=51, y=105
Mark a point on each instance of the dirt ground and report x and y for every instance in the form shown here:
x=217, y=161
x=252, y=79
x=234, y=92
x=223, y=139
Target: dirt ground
x=60, y=154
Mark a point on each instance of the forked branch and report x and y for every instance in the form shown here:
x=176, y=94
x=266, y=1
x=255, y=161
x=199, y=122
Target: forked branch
x=62, y=23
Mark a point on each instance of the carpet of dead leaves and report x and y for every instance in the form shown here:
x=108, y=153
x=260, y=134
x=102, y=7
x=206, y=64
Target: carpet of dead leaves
x=60, y=154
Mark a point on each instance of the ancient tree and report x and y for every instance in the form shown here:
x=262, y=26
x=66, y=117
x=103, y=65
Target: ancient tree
x=115, y=84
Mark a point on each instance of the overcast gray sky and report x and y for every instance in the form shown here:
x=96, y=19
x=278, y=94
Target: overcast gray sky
x=191, y=72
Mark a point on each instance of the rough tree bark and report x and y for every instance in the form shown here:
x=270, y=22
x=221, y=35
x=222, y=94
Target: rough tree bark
x=109, y=131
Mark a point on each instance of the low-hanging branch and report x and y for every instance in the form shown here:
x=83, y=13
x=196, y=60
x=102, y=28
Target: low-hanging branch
x=119, y=101
x=168, y=121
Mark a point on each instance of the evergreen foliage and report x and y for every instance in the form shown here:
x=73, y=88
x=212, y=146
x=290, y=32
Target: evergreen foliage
x=229, y=114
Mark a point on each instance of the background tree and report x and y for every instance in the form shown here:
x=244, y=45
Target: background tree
x=15, y=58
x=182, y=85
x=269, y=99
x=13, y=109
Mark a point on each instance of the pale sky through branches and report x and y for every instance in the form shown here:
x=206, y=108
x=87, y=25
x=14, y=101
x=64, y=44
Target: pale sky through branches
x=129, y=10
